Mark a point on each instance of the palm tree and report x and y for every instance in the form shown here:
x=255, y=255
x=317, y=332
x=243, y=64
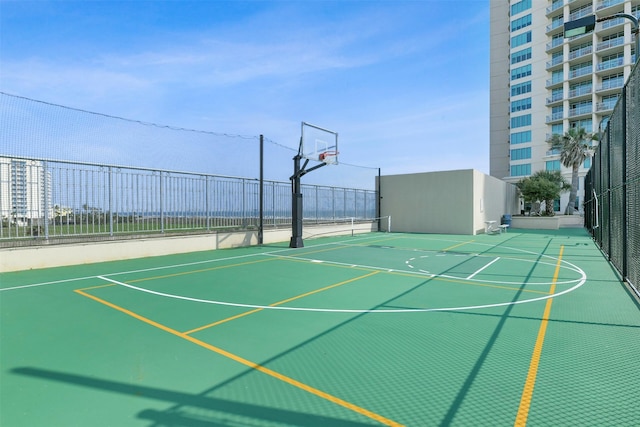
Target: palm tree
x=574, y=146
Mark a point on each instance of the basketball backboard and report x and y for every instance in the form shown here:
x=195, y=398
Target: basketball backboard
x=319, y=144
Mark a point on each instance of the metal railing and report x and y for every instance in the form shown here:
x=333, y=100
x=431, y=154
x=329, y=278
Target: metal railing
x=44, y=201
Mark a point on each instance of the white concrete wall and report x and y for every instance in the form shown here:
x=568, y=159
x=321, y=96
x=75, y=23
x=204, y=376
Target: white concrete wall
x=548, y=222
x=431, y=202
x=27, y=258
x=449, y=202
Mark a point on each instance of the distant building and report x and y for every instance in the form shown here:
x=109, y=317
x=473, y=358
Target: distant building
x=544, y=84
x=25, y=190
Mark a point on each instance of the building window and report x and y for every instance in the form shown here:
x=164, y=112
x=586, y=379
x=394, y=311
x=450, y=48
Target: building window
x=520, y=137
x=521, y=105
x=521, y=153
x=582, y=107
x=580, y=50
x=557, y=129
x=587, y=163
x=520, y=23
x=521, y=6
x=521, y=39
x=518, y=73
x=552, y=165
x=581, y=11
x=581, y=88
x=613, y=81
x=587, y=124
x=609, y=102
x=521, y=55
x=520, y=121
x=557, y=40
x=557, y=76
x=611, y=61
x=521, y=170
x=581, y=69
x=521, y=88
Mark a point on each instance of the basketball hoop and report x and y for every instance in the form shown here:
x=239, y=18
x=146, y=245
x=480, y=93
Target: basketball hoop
x=329, y=157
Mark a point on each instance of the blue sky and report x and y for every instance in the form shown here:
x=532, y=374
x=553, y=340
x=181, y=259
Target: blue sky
x=404, y=83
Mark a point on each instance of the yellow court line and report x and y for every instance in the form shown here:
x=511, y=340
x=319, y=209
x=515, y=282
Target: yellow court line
x=369, y=242
x=527, y=392
x=98, y=287
x=202, y=270
x=237, y=316
x=250, y=364
x=458, y=245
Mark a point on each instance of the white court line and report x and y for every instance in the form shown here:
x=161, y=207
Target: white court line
x=337, y=310
x=478, y=271
x=164, y=267
x=54, y=282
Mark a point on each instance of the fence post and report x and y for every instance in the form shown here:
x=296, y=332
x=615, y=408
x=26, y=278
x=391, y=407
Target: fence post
x=623, y=101
x=46, y=207
x=261, y=219
x=379, y=197
x=244, y=203
x=207, y=207
x=110, y=201
x=161, y=202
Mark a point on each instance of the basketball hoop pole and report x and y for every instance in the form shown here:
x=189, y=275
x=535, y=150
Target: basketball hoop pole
x=296, y=199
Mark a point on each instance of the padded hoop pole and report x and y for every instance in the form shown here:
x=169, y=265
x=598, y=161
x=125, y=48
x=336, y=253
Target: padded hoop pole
x=296, y=205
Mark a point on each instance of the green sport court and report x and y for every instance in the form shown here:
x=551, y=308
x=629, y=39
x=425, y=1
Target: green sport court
x=523, y=328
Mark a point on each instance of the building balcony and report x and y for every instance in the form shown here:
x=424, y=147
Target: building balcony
x=555, y=117
x=583, y=91
x=610, y=64
x=555, y=99
x=610, y=44
x=551, y=83
x=578, y=3
x=610, y=23
x=580, y=111
x=585, y=36
x=601, y=5
x=555, y=63
x=580, y=53
x=555, y=44
x=602, y=107
x=555, y=26
x=580, y=14
x=610, y=87
x=555, y=6
x=580, y=72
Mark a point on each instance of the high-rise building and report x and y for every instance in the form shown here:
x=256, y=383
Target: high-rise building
x=543, y=83
x=25, y=190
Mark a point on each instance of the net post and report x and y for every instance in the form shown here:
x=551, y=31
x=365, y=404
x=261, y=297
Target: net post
x=379, y=213
x=352, y=231
x=261, y=202
x=389, y=224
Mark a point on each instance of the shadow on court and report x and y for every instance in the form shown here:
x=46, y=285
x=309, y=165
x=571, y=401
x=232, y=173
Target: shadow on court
x=220, y=412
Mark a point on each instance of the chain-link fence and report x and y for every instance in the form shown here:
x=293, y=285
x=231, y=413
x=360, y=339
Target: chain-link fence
x=612, y=186
x=68, y=174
